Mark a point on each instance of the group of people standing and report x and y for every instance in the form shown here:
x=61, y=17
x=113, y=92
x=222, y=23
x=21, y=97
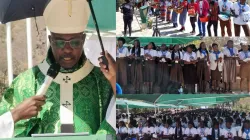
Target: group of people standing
x=189, y=68
x=200, y=124
x=206, y=13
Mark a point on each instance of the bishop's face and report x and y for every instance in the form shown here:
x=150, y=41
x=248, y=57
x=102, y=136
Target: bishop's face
x=67, y=48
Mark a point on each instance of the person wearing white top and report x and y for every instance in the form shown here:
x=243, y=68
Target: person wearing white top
x=216, y=67
x=139, y=130
x=229, y=132
x=215, y=132
x=244, y=133
x=244, y=56
x=167, y=131
x=163, y=70
x=202, y=67
x=189, y=69
x=149, y=71
x=148, y=130
x=203, y=131
x=121, y=62
x=191, y=132
x=178, y=131
x=176, y=72
x=123, y=130
x=136, y=66
x=132, y=131
x=238, y=9
x=225, y=6
x=229, y=67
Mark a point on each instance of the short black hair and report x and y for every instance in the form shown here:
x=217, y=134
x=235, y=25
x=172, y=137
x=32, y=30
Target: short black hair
x=121, y=39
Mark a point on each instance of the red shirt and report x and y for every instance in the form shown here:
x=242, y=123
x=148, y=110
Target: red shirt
x=194, y=6
x=214, y=12
x=184, y=3
x=205, y=8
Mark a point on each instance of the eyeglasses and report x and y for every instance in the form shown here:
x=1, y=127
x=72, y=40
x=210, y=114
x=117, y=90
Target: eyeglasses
x=74, y=43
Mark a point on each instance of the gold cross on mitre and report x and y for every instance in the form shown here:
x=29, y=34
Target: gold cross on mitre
x=69, y=7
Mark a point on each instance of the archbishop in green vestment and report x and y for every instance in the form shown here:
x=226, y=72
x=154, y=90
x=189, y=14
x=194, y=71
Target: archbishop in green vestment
x=81, y=95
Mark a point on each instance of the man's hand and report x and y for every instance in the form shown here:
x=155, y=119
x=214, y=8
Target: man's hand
x=111, y=73
x=28, y=108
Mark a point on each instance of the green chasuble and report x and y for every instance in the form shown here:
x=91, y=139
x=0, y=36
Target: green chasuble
x=92, y=94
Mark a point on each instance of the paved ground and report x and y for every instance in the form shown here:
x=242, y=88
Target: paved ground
x=165, y=29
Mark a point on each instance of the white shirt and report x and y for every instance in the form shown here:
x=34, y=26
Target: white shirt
x=244, y=134
x=139, y=130
x=132, y=130
x=6, y=125
x=213, y=64
x=201, y=6
x=122, y=52
x=182, y=129
x=228, y=5
x=167, y=131
x=227, y=52
x=147, y=130
x=236, y=8
x=216, y=132
x=137, y=49
x=228, y=132
x=157, y=130
x=242, y=55
x=164, y=54
x=188, y=57
x=191, y=132
x=176, y=55
x=203, y=132
x=123, y=130
x=201, y=55
x=151, y=52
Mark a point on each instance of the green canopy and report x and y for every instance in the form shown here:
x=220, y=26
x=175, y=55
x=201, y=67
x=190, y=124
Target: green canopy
x=168, y=41
x=105, y=15
x=175, y=101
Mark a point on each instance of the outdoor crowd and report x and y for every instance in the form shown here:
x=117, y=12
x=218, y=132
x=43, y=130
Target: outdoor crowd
x=200, y=124
x=191, y=69
x=206, y=13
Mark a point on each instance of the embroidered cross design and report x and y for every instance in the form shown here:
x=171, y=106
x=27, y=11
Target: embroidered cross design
x=86, y=110
x=66, y=79
x=66, y=104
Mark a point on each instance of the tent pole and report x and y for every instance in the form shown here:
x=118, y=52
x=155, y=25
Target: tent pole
x=9, y=53
x=29, y=42
x=128, y=112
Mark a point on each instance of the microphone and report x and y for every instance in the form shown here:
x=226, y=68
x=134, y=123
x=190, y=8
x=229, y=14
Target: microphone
x=51, y=74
